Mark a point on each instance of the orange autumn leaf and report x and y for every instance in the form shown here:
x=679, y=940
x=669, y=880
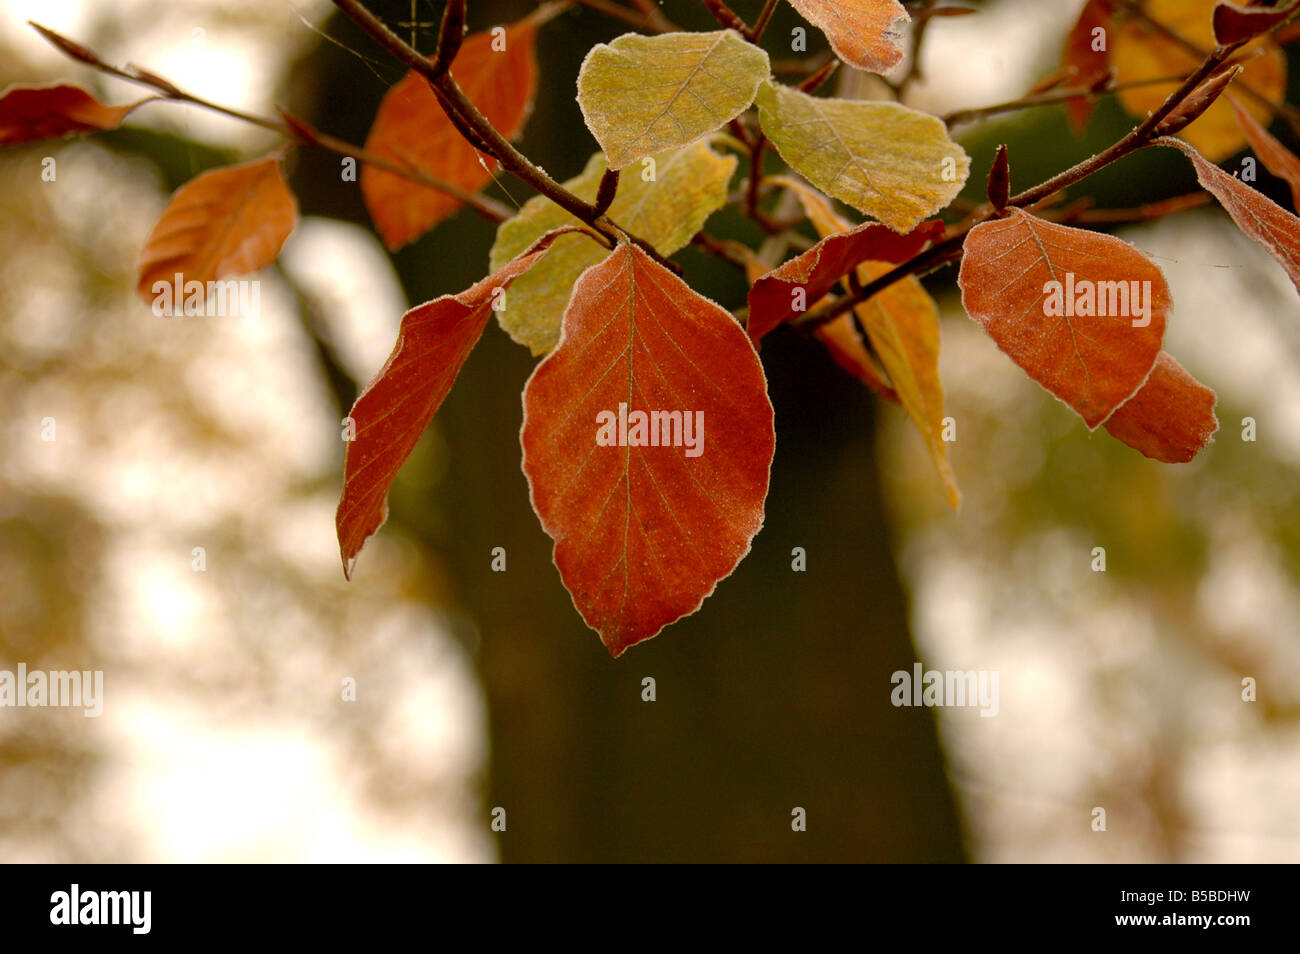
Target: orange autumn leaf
x=1258, y=216
x=1083, y=314
x=1142, y=52
x=499, y=75
x=1086, y=57
x=227, y=221
x=796, y=285
x=30, y=113
x=1170, y=419
x=1277, y=158
x=867, y=34
x=393, y=410
x=648, y=440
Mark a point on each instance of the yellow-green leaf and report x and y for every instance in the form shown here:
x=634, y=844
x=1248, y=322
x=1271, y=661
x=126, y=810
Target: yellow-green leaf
x=642, y=95
x=666, y=209
x=887, y=161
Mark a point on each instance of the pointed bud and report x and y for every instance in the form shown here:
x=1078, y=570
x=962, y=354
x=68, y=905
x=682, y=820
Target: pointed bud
x=999, y=187
x=1198, y=101
x=68, y=47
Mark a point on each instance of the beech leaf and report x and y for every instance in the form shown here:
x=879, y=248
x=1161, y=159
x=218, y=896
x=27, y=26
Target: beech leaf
x=1082, y=313
x=227, y=221
x=642, y=95
x=643, y=533
x=1258, y=216
x=886, y=160
x=1170, y=419
x=867, y=34
x=394, y=409
x=1140, y=52
x=774, y=297
x=1277, y=158
x=1085, y=63
x=1233, y=23
x=499, y=75
x=30, y=113
x=688, y=186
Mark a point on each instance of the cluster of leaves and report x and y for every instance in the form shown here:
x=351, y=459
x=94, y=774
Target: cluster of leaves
x=581, y=275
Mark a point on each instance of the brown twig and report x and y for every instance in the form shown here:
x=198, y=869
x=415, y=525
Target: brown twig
x=728, y=250
x=1289, y=114
x=291, y=127
x=458, y=106
x=920, y=21
x=801, y=66
x=637, y=18
x=655, y=18
x=950, y=249
x=1049, y=98
x=727, y=17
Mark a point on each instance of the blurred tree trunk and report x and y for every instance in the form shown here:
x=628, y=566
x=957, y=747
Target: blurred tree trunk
x=774, y=696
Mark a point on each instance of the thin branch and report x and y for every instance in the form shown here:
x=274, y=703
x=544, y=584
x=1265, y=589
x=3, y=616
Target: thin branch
x=290, y=127
x=489, y=208
x=727, y=17
x=1289, y=113
x=1082, y=212
x=730, y=251
x=764, y=18
x=655, y=18
x=950, y=249
x=921, y=20
x=635, y=18
x=457, y=105
x=450, y=34
x=1050, y=98
x=802, y=66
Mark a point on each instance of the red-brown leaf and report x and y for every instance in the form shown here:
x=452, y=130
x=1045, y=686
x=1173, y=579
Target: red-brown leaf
x=772, y=299
x=1171, y=419
x=840, y=337
x=1085, y=65
x=1235, y=24
x=1277, y=158
x=1092, y=363
x=1258, y=216
x=411, y=129
x=29, y=113
x=227, y=221
x=397, y=405
x=643, y=534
